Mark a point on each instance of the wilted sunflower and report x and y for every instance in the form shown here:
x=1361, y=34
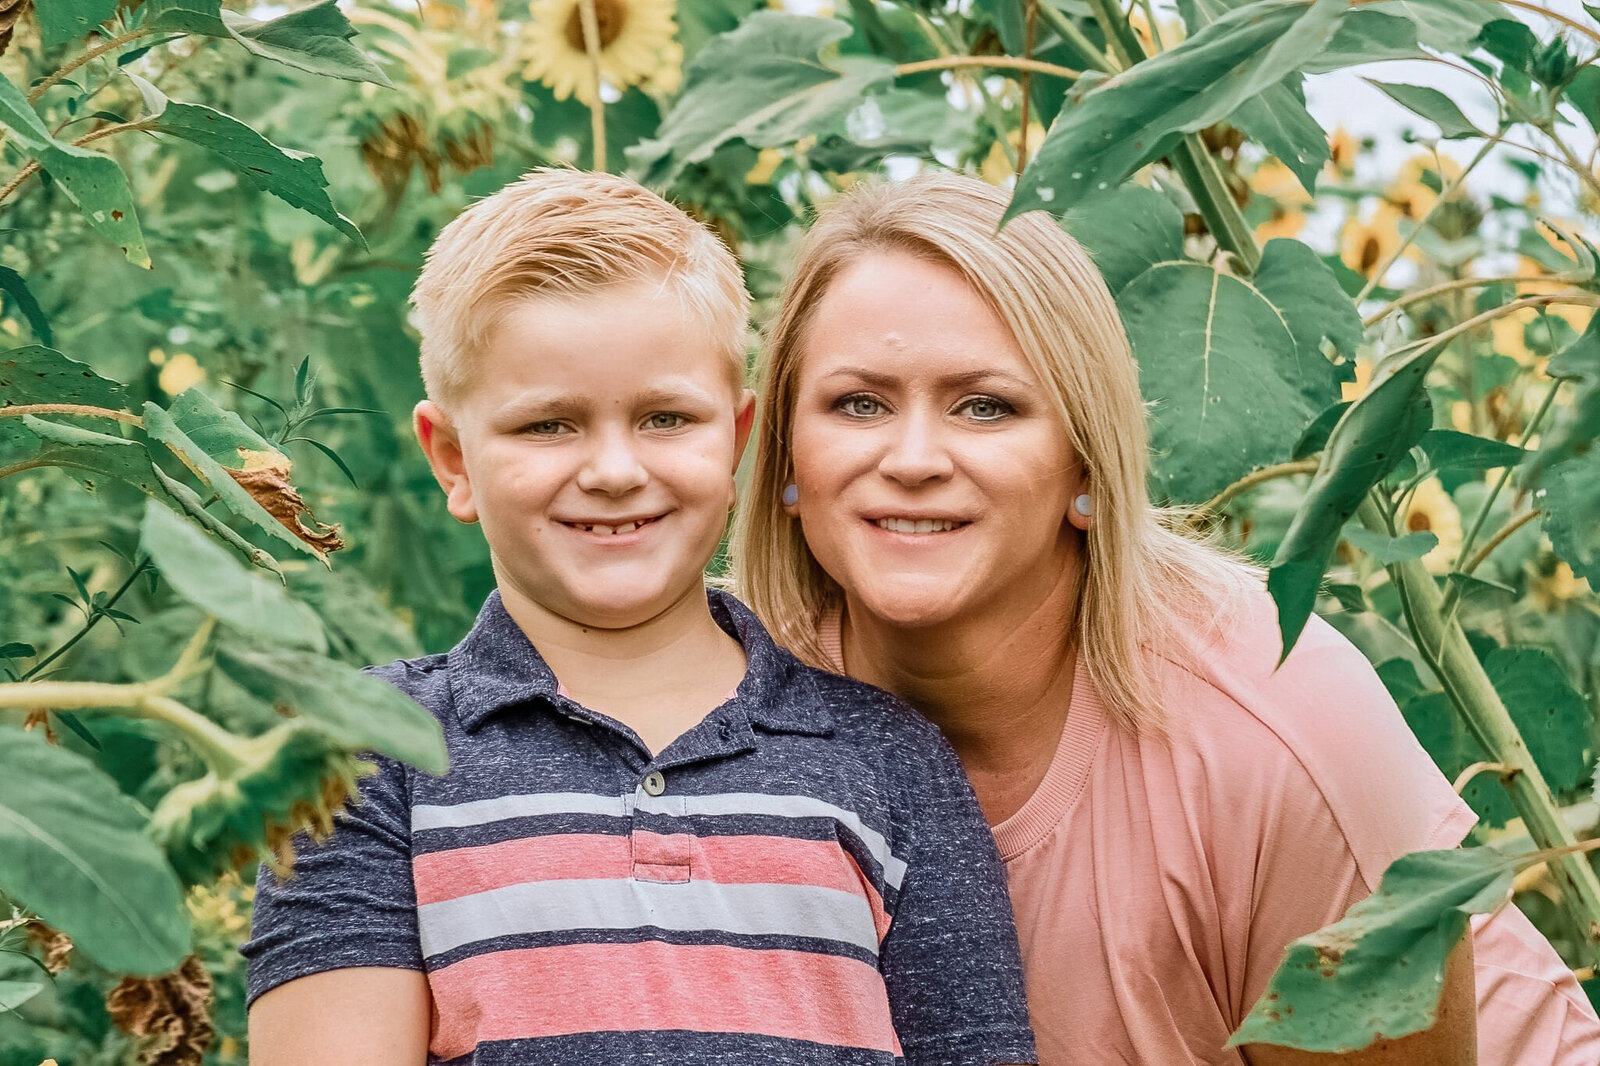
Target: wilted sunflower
x=638, y=46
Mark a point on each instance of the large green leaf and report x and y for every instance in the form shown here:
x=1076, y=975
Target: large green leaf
x=92, y=181
x=1279, y=122
x=1379, y=972
x=1234, y=370
x=314, y=39
x=1551, y=715
x=1569, y=494
x=15, y=286
x=1444, y=25
x=36, y=374
x=1367, y=36
x=763, y=83
x=1127, y=231
x=1432, y=105
x=1124, y=121
x=1371, y=438
x=92, y=457
x=211, y=578
x=67, y=20
x=77, y=855
x=359, y=712
x=1448, y=449
x=294, y=177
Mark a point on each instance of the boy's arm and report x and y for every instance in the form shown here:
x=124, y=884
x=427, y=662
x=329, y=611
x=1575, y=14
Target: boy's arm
x=366, y=1016
x=950, y=960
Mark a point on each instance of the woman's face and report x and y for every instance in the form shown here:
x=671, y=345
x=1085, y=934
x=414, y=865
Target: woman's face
x=934, y=475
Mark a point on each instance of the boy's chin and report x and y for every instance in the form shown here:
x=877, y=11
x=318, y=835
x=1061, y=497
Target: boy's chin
x=628, y=609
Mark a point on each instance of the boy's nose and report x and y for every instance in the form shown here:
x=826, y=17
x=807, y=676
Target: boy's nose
x=613, y=467
x=916, y=452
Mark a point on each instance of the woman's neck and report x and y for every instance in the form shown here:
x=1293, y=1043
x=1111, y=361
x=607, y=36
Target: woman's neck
x=996, y=682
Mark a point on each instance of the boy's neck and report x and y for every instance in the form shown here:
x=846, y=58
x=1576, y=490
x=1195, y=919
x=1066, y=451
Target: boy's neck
x=660, y=677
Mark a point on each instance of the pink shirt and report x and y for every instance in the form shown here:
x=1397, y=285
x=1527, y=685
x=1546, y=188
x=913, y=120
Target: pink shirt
x=1157, y=882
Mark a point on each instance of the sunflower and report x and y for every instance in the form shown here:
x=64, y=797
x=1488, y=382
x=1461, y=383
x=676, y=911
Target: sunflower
x=1342, y=151
x=997, y=168
x=1364, y=245
x=1433, y=511
x=1276, y=184
x=637, y=47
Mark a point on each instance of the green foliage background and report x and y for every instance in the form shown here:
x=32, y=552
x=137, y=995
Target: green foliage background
x=239, y=306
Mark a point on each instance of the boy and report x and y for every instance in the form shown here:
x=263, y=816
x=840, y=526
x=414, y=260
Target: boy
x=661, y=839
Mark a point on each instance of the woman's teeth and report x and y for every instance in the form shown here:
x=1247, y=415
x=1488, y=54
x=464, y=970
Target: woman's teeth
x=916, y=525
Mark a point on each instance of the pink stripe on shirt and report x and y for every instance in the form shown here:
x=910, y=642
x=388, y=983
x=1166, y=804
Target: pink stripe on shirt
x=577, y=988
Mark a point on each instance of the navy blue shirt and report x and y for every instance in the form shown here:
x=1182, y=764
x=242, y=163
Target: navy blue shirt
x=804, y=877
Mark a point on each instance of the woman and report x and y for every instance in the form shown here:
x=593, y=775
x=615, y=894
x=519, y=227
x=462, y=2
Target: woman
x=949, y=501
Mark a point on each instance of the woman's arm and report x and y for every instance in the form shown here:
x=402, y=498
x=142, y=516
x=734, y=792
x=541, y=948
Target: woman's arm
x=1453, y=1040
x=364, y=1016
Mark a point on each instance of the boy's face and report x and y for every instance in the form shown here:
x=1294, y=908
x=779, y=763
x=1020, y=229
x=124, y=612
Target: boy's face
x=597, y=447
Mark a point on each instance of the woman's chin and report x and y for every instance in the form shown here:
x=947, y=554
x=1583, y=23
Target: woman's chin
x=908, y=606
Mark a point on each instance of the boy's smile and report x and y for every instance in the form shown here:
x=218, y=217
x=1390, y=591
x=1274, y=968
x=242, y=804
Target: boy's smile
x=597, y=448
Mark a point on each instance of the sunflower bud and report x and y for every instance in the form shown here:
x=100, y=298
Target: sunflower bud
x=290, y=779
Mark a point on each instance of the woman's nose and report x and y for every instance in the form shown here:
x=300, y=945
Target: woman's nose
x=917, y=451
x=612, y=466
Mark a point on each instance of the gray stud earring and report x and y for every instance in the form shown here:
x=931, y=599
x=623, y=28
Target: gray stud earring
x=1084, y=505
x=791, y=494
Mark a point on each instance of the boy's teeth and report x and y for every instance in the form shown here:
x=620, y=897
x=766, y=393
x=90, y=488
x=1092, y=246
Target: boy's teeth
x=626, y=527
x=916, y=525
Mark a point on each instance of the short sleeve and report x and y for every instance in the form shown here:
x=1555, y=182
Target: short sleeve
x=350, y=900
x=950, y=960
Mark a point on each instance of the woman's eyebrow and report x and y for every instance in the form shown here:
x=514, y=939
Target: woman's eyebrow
x=964, y=379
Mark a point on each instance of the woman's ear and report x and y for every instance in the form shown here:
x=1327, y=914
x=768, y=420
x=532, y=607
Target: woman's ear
x=1080, y=510
x=441, y=443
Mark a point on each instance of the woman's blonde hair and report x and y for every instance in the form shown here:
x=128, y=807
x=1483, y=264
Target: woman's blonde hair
x=1139, y=577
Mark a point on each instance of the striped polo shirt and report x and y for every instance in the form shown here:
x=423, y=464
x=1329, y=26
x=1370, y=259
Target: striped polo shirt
x=802, y=878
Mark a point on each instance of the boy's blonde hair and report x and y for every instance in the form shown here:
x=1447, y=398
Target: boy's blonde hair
x=564, y=234
x=1140, y=578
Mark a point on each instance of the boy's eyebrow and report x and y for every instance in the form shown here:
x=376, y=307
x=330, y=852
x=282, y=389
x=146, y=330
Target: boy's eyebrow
x=880, y=380
x=562, y=403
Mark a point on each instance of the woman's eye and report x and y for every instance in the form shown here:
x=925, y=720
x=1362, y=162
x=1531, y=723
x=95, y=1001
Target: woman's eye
x=861, y=406
x=987, y=408
x=665, y=420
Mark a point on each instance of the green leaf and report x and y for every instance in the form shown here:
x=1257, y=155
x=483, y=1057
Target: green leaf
x=92, y=181
x=207, y=434
x=315, y=39
x=1126, y=232
x=36, y=374
x=1389, y=550
x=1583, y=93
x=1279, y=122
x=1315, y=437
x=293, y=177
x=1574, y=434
x=76, y=854
x=1511, y=42
x=91, y=457
x=208, y=576
x=17, y=650
x=14, y=994
x=1551, y=715
x=16, y=287
x=1444, y=25
x=1369, y=440
x=763, y=83
x=1399, y=676
x=1231, y=388
x=1570, y=498
x=1449, y=450
x=1124, y=121
x=359, y=712
x=1379, y=972
x=1296, y=281
x=67, y=20
x=1432, y=105
x=1367, y=36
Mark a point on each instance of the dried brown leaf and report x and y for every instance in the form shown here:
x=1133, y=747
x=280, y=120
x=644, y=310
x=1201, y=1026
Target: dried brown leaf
x=53, y=946
x=265, y=476
x=170, y=1015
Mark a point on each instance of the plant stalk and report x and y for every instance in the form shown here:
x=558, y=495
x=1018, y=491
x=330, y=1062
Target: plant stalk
x=597, y=108
x=1445, y=193
x=1033, y=66
x=94, y=53
x=1443, y=645
x=20, y=409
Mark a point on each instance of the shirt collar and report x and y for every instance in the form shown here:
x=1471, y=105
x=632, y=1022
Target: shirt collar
x=496, y=667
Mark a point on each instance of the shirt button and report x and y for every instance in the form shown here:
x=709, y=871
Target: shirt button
x=654, y=783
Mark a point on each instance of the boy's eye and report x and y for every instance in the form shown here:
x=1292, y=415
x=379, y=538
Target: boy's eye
x=860, y=405
x=550, y=428
x=987, y=408
x=665, y=420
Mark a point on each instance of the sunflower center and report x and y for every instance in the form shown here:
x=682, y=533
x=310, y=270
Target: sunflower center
x=1369, y=254
x=1417, y=522
x=610, y=17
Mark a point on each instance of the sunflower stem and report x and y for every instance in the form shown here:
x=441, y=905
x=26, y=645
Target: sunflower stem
x=597, y=107
x=1444, y=195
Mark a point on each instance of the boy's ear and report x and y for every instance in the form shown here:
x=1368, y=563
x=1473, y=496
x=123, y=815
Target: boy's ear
x=744, y=420
x=442, y=445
